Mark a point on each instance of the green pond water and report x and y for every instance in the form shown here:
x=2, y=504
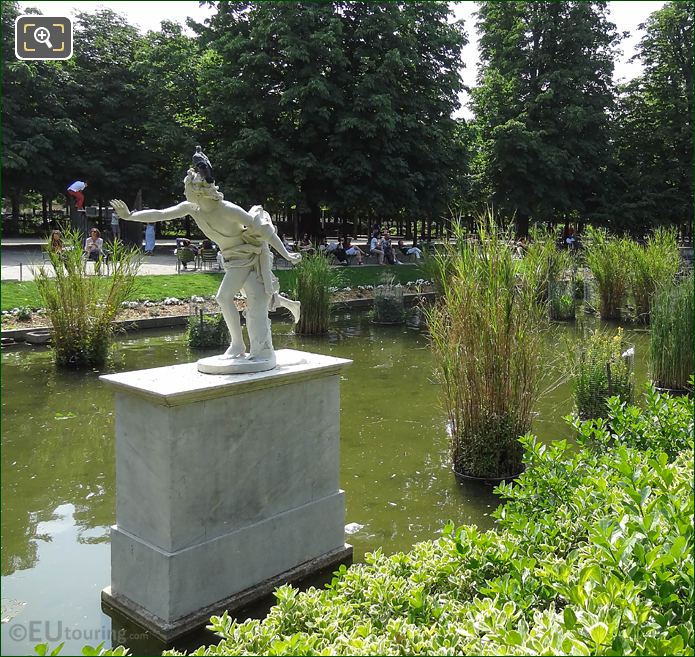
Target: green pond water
x=58, y=479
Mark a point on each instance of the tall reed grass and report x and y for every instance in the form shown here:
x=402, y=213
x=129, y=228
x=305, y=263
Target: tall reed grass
x=313, y=278
x=486, y=338
x=389, y=305
x=671, y=338
x=602, y=366
x=608, y=257
x=651, y=266
x=543, y=264
x=80, y=305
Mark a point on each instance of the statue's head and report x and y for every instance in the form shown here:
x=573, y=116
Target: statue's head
x=196, y=189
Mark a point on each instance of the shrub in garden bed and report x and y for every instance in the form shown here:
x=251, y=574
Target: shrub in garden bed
x=593, y=555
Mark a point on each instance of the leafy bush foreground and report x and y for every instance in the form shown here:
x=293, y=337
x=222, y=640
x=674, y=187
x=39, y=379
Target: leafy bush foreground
x=593, y=554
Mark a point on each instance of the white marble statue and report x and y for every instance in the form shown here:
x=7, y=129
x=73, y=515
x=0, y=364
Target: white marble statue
x=244, y=239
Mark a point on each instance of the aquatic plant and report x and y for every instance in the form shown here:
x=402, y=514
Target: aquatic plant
x=206, y=331
x=608, y=259
x=389, y=306
x=313, y=278
x=80, y=305
x=671, y=337
x=486, y=338
x=652, y=265
x=601, y=367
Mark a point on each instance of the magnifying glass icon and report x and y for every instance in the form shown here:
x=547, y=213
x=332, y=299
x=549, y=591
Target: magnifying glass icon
x=43, y=35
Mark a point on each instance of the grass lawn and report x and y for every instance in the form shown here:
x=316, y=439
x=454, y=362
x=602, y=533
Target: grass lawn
x=183, y=286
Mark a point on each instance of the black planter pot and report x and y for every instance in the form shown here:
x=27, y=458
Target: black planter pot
x=462, y=476
x=674, y=392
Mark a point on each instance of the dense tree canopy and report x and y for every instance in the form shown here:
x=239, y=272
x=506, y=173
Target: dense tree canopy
x=545, y=86
x=347, y=110
x=653, y=125
x=342, y=104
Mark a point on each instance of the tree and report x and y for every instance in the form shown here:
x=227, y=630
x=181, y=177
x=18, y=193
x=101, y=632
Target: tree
x=397, y=145
x=343, y=104
x=653, y=125
x=168, y=64
x=38, y=133
x=541, y=106
x=108, y=108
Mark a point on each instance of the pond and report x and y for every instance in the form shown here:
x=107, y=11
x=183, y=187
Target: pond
x=58, y=466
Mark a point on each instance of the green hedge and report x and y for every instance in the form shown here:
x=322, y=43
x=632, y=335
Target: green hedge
x=593, y=554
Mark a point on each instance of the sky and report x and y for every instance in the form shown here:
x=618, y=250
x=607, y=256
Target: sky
x=627, y=15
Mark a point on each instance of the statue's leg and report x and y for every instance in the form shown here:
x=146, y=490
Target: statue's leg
x=257, y=320
x=230, y=286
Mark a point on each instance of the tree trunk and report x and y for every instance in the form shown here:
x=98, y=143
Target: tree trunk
x=131, y=231
x=44, y=213
x=310, y=221
x=14, y=199
x=522, y=224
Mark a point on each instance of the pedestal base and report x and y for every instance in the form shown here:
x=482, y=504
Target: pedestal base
x=169, y=631
x=227, y=486
x=229, y=365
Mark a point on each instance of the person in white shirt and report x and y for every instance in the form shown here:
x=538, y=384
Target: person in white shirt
x=376, y=249
x=93, y=248
x=75, y=190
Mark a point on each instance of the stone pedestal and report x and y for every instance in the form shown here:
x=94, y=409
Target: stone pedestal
x=227, y=486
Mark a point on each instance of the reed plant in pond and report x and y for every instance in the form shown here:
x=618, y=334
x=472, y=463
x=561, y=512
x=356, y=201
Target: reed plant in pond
x=608, y=258
x=486, y=337
x=602, y=367
x=543, y=264
x=671, y=338
x=389, y=305
x=652, y=265
x=81, y=305
x=313, y=278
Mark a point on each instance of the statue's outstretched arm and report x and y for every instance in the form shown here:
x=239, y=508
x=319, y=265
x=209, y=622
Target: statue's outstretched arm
x=276, y=243
x=152, y=216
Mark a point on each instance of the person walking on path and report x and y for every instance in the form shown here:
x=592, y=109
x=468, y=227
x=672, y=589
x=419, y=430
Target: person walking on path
x=149, y=239
x=75, y=190
x=115, y=226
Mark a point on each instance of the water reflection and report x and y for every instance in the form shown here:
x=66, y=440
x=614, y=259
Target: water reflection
x=58, y=459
